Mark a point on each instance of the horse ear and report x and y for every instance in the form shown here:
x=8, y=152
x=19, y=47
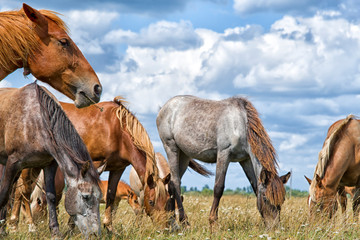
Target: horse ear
x=308, y=179
x=85, y=168
x=36, y=17
x=285, y=178
x=166, y=179
x=263, y=177
x=101, y=169
x=319, y=181
x=150, y=181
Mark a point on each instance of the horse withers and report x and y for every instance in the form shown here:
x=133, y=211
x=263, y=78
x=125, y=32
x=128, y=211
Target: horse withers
x=35, y=131
x=221, y=132
x=338, y=167
x=38, y=42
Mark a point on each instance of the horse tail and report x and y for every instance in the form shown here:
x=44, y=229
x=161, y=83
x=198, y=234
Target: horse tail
x=260, y=142
x=199, y=168
x=329, y=144
x=138, y=134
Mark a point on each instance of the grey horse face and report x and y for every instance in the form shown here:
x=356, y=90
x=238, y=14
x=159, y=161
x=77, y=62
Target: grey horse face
x=82, y=204
x=270, y=197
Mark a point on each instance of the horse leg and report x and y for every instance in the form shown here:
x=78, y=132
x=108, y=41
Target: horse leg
x=25, y=191
x=11, y=175
x=114, y=178
x=221, y=169
x=15, y=210
x=342, y=199
x=173, y=153
x=49, y=175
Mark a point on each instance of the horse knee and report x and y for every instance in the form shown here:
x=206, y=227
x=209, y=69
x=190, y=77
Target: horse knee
x=50, y=198
x=218, y=190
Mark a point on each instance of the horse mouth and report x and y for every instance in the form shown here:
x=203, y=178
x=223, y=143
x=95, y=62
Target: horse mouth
x=83, y=100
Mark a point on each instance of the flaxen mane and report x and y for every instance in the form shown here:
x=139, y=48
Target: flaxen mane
x=18, y=39
x=138, y=134
x=63, y=133
x=329, y=144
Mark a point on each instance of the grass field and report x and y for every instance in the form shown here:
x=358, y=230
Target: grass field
x=238, y=219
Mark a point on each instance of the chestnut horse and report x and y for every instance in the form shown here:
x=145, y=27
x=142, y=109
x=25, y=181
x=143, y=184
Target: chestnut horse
x=338, y=167
x=35, y=131
x=221, y=132
x=38, y=42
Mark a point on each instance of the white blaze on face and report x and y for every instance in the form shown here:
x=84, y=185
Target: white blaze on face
x=309, y=201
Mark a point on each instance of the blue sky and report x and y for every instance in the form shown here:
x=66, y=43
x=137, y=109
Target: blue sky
x=297, y=61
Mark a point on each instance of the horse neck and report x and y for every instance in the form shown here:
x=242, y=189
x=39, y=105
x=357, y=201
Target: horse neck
x=138, y=161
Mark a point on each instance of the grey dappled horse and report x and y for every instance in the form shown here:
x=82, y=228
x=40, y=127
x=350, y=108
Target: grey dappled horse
x=222, y=132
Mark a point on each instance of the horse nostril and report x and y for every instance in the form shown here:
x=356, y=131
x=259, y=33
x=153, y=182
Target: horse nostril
x=97, y=90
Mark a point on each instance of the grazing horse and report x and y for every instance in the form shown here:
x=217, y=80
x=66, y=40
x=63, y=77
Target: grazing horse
x=35, y=131
x=38, y=42
x=221, y=132
x=115, y=137
x=338, y=167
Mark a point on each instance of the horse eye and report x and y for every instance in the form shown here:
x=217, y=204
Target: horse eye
x=136, y=201
x=64, y=42
x=151, y=203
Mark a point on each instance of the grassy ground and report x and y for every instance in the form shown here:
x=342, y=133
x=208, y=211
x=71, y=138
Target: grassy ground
x=238, y=219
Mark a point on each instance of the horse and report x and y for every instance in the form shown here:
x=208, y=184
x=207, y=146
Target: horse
x=38, y=41
x=338, y=167
x=164, y=170
x=115, y=139
x=341, y=197
x=35, y=131
x=221, y=132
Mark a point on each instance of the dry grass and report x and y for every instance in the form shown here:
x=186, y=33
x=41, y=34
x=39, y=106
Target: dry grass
x=238, y=219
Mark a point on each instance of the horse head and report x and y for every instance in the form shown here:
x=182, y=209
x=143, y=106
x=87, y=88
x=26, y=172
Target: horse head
x=82, y=201
x=58, y=61
x=133, y=201
x=270, y=196
x=156, y=198
x=321, y=200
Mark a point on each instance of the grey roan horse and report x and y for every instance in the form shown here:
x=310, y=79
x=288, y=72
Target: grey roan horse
x=34, y=131
x=222, y=131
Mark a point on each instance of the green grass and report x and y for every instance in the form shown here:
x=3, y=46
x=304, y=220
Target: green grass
x=238, y=219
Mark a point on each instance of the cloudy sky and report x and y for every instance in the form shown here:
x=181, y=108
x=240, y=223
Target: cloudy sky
x=297, y=61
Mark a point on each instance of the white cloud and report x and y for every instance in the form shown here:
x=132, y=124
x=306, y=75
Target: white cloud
x=87, y=27
x=162, y=34
x=249, y=6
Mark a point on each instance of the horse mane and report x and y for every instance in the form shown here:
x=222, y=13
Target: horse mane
x=326, y=151
x=262, y=148
x=260, y=142
x=18, y=39
x=63, y=134
x=138, y=134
